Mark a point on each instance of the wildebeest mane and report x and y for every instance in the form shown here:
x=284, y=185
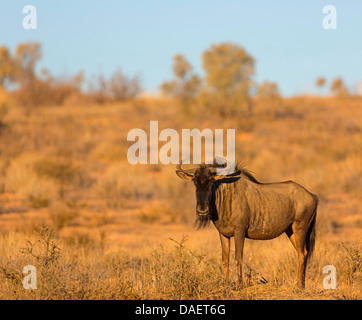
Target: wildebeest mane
x=238, y=170
x=241, y=170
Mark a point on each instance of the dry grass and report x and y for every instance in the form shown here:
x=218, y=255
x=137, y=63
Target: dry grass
x=111, y=224
x=80, y=268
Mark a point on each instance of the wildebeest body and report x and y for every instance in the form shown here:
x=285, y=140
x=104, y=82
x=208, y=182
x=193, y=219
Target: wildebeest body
x=266, y=210
x=241, y=207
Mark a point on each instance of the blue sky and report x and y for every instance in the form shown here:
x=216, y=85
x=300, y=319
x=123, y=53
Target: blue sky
x=141, y=36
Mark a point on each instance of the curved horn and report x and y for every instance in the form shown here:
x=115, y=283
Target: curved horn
x=179, y=168
x=183, y=173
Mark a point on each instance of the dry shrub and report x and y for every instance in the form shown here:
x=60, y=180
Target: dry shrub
x=149, y=217
x=3, y=166
x=111, y=150
x=80, y=240
x=352, y=263
x=180, y=195
x=42, y=180
x=4, y=108
x=3, y=112
x=59, y=276
x=61, y=215
x=75, y=269
x=122, y=182
x=62, y=171
x=45, y=250
x=22, y=179
x=123, y=88
x=341, y=176
x=181, y=274
x=45, y=93
x=118, y=87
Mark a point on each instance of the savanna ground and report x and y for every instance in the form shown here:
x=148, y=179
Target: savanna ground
x=96, y=227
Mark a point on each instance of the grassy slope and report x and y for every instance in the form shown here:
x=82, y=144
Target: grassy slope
x=66, y=167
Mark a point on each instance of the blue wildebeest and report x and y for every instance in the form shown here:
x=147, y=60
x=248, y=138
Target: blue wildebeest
x=241, y=207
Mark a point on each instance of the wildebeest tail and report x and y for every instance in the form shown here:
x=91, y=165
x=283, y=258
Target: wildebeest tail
x=311, y=235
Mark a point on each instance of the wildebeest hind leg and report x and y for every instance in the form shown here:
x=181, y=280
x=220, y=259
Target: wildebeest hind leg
x=300, y=233
x=239, y=236
x=290, y=234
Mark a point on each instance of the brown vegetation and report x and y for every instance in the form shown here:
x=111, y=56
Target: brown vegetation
x=67, y=169
x=32, y=89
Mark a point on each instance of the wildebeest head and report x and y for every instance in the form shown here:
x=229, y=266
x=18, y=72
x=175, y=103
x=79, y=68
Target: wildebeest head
x=203, y=179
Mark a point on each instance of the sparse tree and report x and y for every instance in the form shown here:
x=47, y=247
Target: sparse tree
x=118, y=87
x=56, y=90
x=26, y=57
x=98, y=88
x=123, y=87
x=7, y=67
x=229, y=70
x=268, y=93
x=181, y=67
x=30, y=88
x=268, y=90
x=338, y=88
x=320, y=82
x=185, y=86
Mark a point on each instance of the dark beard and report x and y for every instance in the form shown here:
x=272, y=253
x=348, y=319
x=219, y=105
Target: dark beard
x=202, y=221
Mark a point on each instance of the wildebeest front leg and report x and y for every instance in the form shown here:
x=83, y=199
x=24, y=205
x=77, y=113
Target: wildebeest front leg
x=239, y=236
x=225, y=246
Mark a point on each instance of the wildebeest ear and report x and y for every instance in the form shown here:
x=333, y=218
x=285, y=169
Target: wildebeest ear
x=184, y=175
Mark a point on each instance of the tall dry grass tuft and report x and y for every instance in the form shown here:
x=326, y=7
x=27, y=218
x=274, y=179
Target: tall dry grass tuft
x=22, y=179
x=62, y=214
x=59, y=276
x=121, y=184
x=181, y=274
